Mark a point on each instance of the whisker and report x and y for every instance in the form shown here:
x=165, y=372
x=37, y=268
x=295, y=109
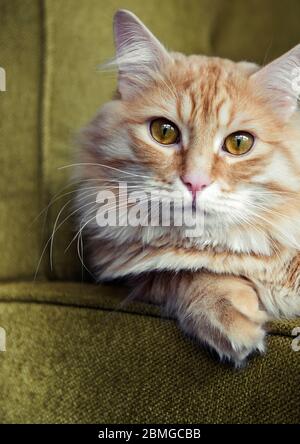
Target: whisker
x=104, y=166
x=80, y=255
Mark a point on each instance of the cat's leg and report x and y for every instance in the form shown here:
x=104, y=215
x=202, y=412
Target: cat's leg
x=221, y=311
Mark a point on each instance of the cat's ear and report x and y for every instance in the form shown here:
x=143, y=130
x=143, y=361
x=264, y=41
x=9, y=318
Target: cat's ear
x=280, y=82
x=138, y=53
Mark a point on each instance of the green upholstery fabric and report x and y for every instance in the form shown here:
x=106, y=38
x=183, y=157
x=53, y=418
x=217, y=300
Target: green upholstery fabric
x=74, y=351
x=74, y=357
x=21, y=167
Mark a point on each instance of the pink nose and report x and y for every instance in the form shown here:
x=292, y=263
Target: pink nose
x=195, y=182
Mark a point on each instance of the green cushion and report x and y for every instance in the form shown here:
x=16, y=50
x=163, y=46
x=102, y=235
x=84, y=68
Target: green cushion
x=75, y=357
x=20, y=138
x=51, y=50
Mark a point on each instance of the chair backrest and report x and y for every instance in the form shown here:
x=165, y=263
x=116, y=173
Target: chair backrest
x=50, y=51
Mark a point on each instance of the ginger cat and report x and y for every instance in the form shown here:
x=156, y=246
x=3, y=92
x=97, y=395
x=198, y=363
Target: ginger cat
x=226, y=136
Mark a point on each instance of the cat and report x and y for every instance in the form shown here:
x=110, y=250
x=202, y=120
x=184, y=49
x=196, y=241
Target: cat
x=227, y=136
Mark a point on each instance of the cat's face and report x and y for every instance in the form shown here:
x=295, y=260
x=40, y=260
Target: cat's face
x=223, y=134
x=211, y=137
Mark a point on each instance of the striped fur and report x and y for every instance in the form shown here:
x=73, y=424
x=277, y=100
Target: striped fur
x=244, y=268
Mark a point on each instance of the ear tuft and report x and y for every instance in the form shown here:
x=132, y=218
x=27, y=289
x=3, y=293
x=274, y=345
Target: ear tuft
x=280, y=81
x=138, y=53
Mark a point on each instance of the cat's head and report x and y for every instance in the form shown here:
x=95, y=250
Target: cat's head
x=222, y=133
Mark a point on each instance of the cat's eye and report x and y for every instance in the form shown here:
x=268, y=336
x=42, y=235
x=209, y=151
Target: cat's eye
x=238, y=143
x=164, y=131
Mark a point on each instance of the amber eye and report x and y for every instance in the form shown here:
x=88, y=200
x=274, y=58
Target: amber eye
x=238, y=143
x=164, y=131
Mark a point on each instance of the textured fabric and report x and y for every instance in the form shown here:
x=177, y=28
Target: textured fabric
x=20, y=178
x=74, y=357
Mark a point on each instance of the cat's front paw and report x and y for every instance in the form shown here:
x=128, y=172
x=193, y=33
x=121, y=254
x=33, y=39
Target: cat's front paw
x=230, y=322
x=240, y=339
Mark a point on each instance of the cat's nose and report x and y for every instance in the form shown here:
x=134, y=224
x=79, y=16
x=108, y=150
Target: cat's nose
x=195, y=182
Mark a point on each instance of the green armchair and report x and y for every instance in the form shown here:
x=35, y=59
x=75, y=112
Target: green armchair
x=74, y=351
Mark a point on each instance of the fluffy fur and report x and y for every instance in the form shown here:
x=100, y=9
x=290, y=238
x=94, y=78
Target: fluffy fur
x=244, y=268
